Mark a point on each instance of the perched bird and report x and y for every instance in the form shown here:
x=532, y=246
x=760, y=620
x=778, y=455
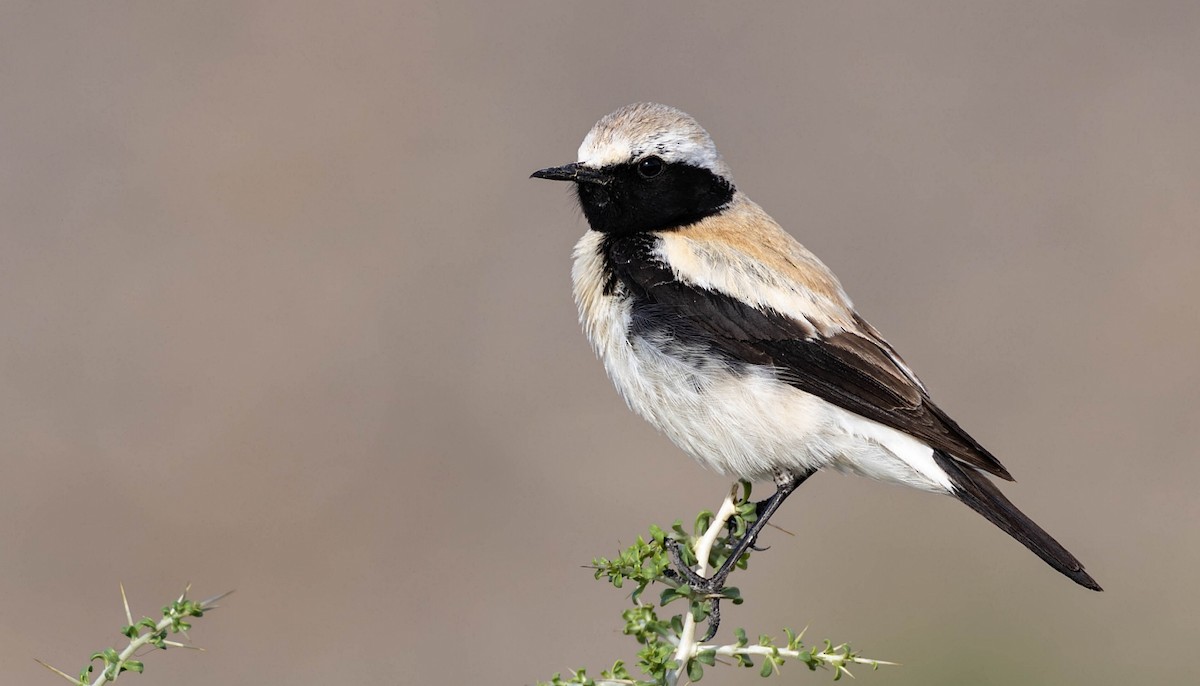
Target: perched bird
x=736, y=342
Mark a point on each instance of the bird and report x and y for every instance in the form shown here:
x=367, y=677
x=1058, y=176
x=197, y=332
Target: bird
x=741, y=346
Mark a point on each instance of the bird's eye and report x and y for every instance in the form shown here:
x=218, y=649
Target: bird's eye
x=651, y=167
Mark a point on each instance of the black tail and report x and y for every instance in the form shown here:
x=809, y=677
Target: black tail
x=981, y=495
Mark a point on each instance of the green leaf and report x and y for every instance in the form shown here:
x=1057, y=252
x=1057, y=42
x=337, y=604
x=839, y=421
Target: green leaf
x=739, y=526
x=619, y=671
x=767, y=669
x=695, y=671
x=708, y=657
x=746, y=488
x=657, y=534
x=637, y=592
x=671, y=594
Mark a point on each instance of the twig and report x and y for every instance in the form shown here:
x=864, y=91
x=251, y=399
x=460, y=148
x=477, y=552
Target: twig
x=155, y=634
x=687, y=647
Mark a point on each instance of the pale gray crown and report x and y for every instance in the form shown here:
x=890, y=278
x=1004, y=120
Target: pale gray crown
x=642, y=129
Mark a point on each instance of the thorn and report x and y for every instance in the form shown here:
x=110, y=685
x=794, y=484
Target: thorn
x=59, y=672
x=207, y=603
x=125, y=600
x=773, y=525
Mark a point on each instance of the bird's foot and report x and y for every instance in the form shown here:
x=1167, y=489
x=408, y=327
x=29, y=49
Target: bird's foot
x=712, y=588
x=707, y=588
x=687, y=575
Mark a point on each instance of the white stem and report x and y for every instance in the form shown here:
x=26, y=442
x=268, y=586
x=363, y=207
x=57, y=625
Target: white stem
x=687, y=638
x=834, y=658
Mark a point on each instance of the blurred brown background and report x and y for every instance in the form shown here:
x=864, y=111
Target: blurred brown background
x=281, y=312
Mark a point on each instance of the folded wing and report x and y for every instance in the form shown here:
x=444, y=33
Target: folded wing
x=852, y=367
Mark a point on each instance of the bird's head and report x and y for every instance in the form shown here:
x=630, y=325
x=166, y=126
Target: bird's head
x=646, y=167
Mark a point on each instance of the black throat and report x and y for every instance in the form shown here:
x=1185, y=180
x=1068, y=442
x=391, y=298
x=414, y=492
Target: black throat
x=630, y=203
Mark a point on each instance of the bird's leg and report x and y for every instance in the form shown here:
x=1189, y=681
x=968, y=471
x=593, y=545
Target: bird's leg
x=786, y=482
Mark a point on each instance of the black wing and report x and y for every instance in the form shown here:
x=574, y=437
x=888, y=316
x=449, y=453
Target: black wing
x=854, y=371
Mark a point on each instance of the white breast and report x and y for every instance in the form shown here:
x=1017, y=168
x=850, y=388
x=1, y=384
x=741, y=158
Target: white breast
x=740, y=421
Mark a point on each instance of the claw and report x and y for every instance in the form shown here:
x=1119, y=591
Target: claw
x=710, y=587
x=714, y=621
x=683, y=571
